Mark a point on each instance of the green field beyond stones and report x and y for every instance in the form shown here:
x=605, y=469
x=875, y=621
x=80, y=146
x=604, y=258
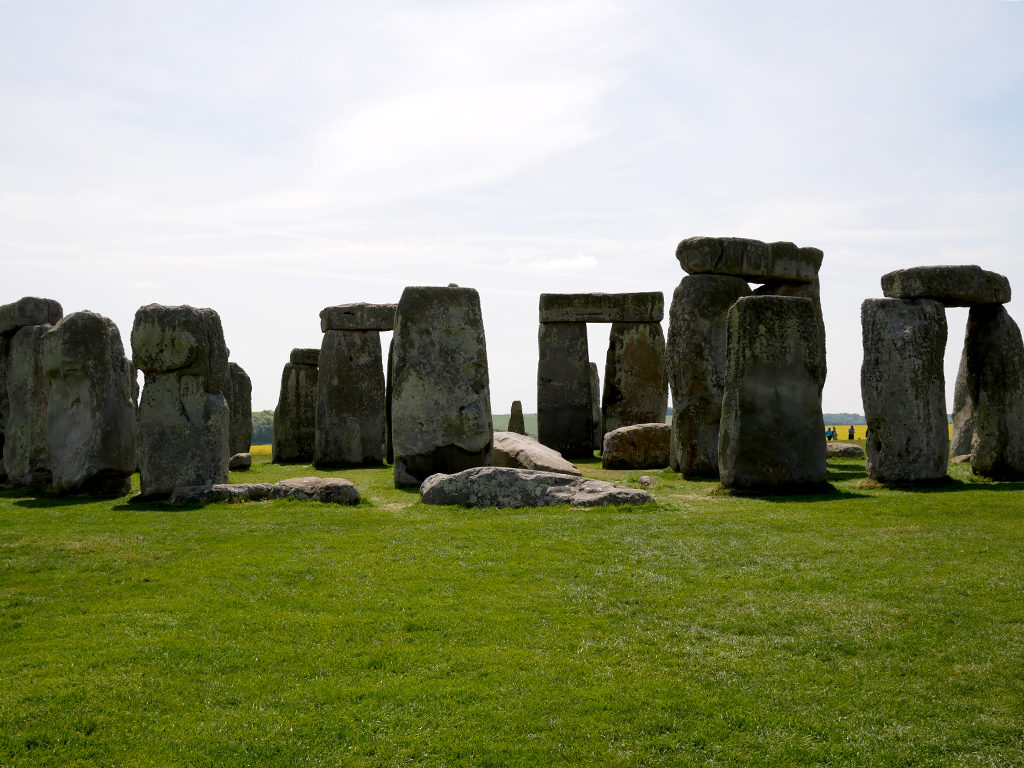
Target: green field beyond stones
x=868, y=627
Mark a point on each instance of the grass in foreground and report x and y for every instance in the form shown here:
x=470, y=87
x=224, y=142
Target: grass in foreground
x=863, y=628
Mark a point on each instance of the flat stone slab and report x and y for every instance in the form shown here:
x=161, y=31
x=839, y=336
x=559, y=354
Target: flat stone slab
x=639, y=446
x=518, y=451
x=358, y=317
x=843, y=451
x=240, y=462
x=333, y=490
x=952, y=286
x=602, y=307
x=304, y=356
x=210, y=494
x=752, y=260
x=30, y=310
x=504, y=487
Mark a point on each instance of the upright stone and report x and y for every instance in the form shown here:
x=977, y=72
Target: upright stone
x=595, y=406
x=516, y=423
x=995, y=383
x=441, y=404
x=696, y=362
x=962, y=442
x=903, y=390
x=90, y=415
x=183, y=416
x=295, y=415
x=564, y=401
x=635, y=387
x=771, y=436
x=240, y=405
x=388, y=392
x=26, y=452
x=5, y=405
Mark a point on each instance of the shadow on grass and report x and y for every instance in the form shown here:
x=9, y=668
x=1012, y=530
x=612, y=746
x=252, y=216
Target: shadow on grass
x=955, y=486
x=825, y=492
x=40, y=498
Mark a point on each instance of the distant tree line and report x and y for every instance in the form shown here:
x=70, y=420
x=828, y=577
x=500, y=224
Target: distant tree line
x=843, y=418
x=262, y=427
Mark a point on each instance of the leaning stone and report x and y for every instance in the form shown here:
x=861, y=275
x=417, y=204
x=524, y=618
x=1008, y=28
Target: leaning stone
x=330, y=490
x=696, y=362
x=358, y=317
x=183, y=339
x=965, y=286
x=304, y=356
x=772, y=426
x=903, y=390
x=595, y=407
x=843, y=451
x=505, y=487
x=211, y=494
x=640, y=446
x=995, y=383
x=962, y=441
x=751, y=260
x=441, y=403
x=635, y=387
x=294, y=435
x=90, y=415
x=516, y=423
x=522, y=452
x=602, y=307
x=26, y=451
x=240, y=462
x=565, y=410
x=240, y=405
x=30, y=310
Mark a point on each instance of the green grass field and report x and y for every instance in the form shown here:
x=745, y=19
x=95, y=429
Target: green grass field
x=867, y=627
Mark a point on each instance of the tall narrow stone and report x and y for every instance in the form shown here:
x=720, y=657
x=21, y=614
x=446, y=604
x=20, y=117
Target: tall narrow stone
x=295, y=415
x=388, y=393
x=5, y=405
x=903, y=390
x=963, y=420
x=995, y=383
x=635, y=387
x=240, y=405
x=516, y=423
x=564, y=402
x=595, y=406
x=771, y=436
x=441, y=403
x=26, y=451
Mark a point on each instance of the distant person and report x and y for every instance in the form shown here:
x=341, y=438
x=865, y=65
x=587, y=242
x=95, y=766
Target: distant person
x=828, y=434
x=852, y=432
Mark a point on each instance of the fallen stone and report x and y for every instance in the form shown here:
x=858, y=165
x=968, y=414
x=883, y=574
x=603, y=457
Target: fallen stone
x=640, y=446
x=210, y=494
x=602, y=307
x=26, y=450
x=31, y=310
x=240, y=462
x=635, y=387
x=953, y=286
x=565, y=409
x=505, y=487
x=964, y=458
x=240, y=410
x=331, y=490
x=358, y=317
x=522, y=452
x=516, y=422
x=843, y=451
x=751, y=260
x=294, y=438
x=305, y=356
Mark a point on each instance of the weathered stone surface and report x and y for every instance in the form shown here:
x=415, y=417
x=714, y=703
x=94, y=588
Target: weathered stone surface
x=953, y=286
x=5, y=405
x=30, y=310
x=810, y=291
x=635, y=385
x=240, y=462
x=602, y=307
x=441, y=403
x=358, y=317
x=90, y=415
x=963, y=420
x=639, y=446
x=519, y=451
x=516, y=423
x=696, y=362
x=751, y=260
x=388, y=393
x=330, y=490
x=26, y=453
x=305, y=356
x=995, y=383
x=843, y=451
x=564, y=402
x=646, y=481
x=903, y=390
x=210, y=494
x=595, y=407
x=351, y=415
x=295, y=416
x=964, y=458
x=505, y=487
x=240, y=405
x=186, y=340
x=772, y=426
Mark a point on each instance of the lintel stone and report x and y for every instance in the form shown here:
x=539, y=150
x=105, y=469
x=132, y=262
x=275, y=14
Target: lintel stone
x=753, y=260
x=30, y=310
x=953, y=286
x=304, y=356
x=358, y=317
x=602, y=307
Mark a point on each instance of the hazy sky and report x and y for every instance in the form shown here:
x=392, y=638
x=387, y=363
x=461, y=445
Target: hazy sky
x=271, y=159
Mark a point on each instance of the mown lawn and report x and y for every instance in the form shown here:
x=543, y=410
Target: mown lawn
x=864, y=628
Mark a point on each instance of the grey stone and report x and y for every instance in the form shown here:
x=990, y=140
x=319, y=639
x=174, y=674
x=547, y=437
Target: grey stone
x=351, y=415
x=329, y=490
x=602, y=307
x=441, y=403
x=30, y=310
x=751, y=260
x=995, y=383
x=595, y=407
x=516, y=423
x=305, y=356
x=182, y=339
x=5, y=404
x=565, y=409
x=903, y=390
x=90, y=415
x=810, y=291
x=639, y=446
x=635, y=387
x=358, y=317
x=646, y=481
x=240, y=407
x=388, y=393
x=505, y=487
x=295, y=416
x=696, y=363
x=843, y=451
x=771, y=436
x=519, y=451
x=953, y=286
x=963, y=420
x=964, y=458
x=26, y=452
x=210, y=494
x=240, y=462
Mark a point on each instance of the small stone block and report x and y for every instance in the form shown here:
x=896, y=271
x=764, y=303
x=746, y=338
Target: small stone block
x=602, y=307
x=358, y=317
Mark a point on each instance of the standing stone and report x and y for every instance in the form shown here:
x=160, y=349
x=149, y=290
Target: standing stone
x=183, y=416
x=903, y=390
x=696, y=362
x=295, y=416
x=5, y=405
x=516, y=423
x=441, y=404
x=772, y=430
x=565, y=420
x=995, y=383
x=351, y=415
x=388, y=392
x=26, y=452
x=90, y=416
x=635, y=387
x=963, y=420
x=595, y=406
x=240, y=405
